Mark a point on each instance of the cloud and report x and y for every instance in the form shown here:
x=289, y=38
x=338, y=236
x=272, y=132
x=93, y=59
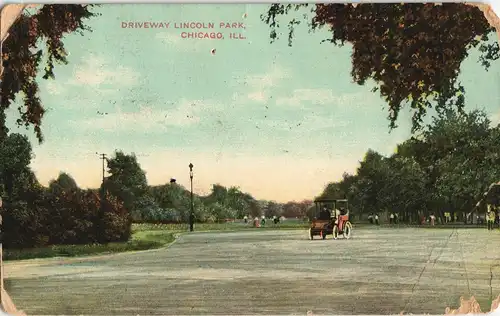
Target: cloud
x=307, y=123
x=95, y=71
x=260, y=84
x=149, y=117
x=318, y=97
x=54, y=88
x=258, y=96
x=267, y=80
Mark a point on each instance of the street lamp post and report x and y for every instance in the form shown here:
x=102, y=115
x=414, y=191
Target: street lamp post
x=191, y=214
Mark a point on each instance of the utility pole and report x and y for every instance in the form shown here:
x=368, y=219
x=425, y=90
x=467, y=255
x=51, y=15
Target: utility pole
x=102, y=196
x=104, y=158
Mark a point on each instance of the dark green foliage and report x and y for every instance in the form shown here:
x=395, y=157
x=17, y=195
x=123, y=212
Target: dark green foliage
x=35, y=216
x=66, y=218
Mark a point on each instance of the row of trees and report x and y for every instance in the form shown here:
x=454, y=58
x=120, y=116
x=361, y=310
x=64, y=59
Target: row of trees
x=446, y=168
x=63, y=213
x=172, y=202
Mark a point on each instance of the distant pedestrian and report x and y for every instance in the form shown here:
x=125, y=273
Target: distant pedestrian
x=370, y=218
x=490, y=217
x=376, y=219
x=432, y=219
x=391, y=218
x=396, y=218
x=256, y=222
x=245, y=219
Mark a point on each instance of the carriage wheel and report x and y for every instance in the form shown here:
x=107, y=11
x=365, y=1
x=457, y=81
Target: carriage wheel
x=347, y=230
x=311, y=236
x=335, y=232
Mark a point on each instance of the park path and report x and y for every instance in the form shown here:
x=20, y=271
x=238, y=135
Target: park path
x=378, y=271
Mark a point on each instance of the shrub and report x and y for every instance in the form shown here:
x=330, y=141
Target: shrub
x=65, y=217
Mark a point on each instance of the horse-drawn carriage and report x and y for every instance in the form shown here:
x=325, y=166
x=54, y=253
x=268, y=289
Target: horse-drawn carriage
x=331, y=218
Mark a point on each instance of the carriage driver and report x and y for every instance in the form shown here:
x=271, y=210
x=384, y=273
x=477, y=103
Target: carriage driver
x=325, y=213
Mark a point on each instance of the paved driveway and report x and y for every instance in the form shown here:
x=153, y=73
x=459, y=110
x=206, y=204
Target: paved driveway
x=378, y=271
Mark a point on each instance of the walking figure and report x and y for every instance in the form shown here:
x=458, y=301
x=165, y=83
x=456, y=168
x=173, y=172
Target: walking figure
x=490, y=216
x=370, y=218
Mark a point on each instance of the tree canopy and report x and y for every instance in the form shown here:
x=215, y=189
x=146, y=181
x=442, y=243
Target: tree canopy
x=126, y=180
x=412, y=51
x=63, y=183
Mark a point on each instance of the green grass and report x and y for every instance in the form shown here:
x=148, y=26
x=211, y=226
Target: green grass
x=204, y=227
x=142, y=240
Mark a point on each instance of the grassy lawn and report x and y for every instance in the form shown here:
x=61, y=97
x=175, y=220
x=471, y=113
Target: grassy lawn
x=235, y=226
x=141, y=240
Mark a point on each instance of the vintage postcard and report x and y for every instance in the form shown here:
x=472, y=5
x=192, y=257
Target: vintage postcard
x=237, y=159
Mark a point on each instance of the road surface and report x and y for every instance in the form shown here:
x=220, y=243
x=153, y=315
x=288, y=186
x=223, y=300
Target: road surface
x=378, y=271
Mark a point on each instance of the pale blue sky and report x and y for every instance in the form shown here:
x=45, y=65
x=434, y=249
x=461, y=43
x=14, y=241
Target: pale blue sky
x=235, y=114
